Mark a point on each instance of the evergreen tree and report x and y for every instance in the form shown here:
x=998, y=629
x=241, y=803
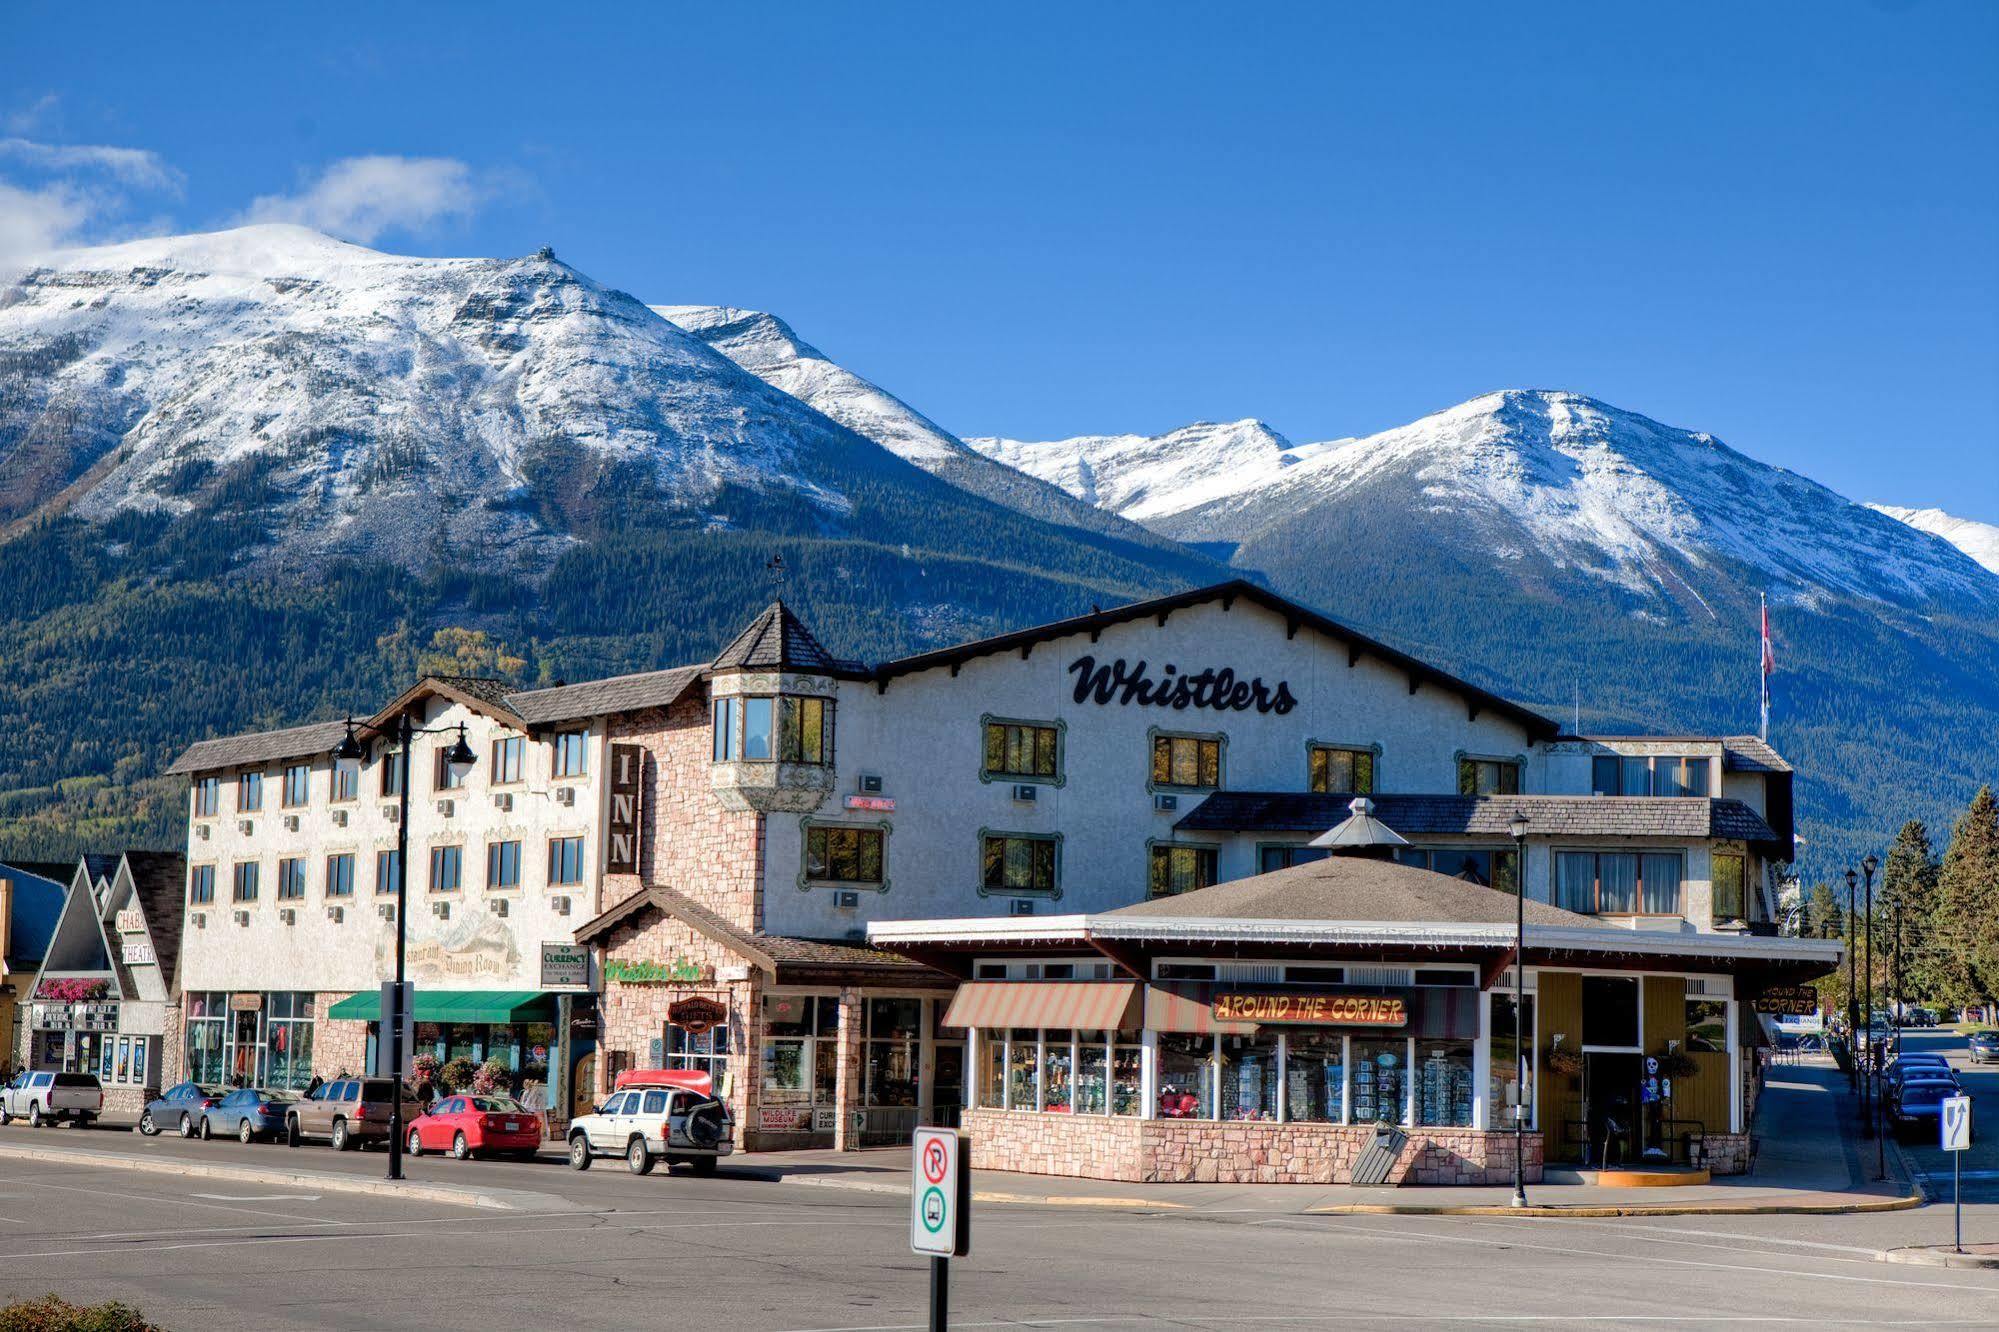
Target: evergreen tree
x=1908, y=906
x=1966, y=935
x=1822, y=915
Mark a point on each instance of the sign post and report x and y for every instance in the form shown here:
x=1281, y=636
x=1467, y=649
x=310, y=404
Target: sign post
x=940, y=1210
x=1955, y=1126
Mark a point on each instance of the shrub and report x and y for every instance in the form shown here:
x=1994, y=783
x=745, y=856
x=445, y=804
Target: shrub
x=493, y=1076
x=457, y=1075
x=51, y=1314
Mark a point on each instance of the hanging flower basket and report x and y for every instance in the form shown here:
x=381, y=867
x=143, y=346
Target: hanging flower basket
x=1563, y=1061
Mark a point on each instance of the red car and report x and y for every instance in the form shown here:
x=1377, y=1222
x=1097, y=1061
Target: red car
x=468, y=1126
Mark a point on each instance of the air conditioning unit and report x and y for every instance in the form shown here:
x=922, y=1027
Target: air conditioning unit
x=871, y=783
x=1027, y=793
x=291, y=823
x=446, y=808
x=565, y=795
x=340, y=818
x=503, y=800
x=200, y=919
x=499, y=907
x=1165, y=804
x=442, y=910
x=246, y=826
x=561, y=905
x=336, y=914
x=242, y=917
x=288, y=915
x=1020, y=906
x=387, y=911
x=201, y=830
x=393, y=813
x=846, y=899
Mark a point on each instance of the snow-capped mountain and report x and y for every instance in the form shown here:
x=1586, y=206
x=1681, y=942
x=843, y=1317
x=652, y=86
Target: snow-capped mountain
x=767, y=347
x=1978, y=540
x=1149, y=477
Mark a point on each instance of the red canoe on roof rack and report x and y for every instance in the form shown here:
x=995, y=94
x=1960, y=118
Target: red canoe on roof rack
x=702, y=1084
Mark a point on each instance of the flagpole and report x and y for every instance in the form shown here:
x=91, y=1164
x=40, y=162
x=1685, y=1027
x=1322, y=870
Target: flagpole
x=1763, y=673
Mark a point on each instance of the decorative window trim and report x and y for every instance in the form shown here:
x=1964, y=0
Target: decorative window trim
x=1061, y=729
x=1153, y=734
x=806, y=885
x=1044, y=894
x=1461, y=756
x=1373, y=748
x=1174, y=842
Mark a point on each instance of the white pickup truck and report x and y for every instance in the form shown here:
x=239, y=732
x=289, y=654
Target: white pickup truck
x=42, y=1098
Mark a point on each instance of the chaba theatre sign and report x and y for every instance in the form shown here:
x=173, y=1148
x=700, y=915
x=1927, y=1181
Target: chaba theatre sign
x=1128, y=683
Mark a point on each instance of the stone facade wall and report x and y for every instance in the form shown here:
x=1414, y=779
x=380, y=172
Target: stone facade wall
x=338, y=1044
x=1726, y=1153
x=688, y=840
x=173, y=1043
x=1169, y=1151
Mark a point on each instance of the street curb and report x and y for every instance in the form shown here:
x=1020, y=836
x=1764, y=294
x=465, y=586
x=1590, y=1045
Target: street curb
x=1938, y=1256
x=504, y=1200
x=991, y=1196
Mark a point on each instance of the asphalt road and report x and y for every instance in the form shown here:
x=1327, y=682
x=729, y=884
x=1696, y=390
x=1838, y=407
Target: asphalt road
x=672, y=1252
x=1981, y=1163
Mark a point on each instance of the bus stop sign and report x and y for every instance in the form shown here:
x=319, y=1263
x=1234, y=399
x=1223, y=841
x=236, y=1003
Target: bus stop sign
x=940, y=1194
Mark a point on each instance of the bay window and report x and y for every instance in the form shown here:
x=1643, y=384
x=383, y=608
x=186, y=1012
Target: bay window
x=787, y=728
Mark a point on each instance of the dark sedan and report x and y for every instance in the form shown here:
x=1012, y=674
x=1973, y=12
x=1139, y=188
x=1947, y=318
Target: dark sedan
x=1916, y=1108
x=178, y=1107
x=1985, y=1047
x=251, y=1113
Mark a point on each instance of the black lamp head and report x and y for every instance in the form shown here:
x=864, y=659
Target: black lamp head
x=1870, y=865
x=349, y=748
x=460, y=754
x=1851, y=878
x=1517, y=825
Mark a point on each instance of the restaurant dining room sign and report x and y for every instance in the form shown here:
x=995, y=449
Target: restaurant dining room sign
x=1318, y=1010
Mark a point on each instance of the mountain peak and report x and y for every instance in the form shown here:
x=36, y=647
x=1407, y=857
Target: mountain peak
x=1978, y=540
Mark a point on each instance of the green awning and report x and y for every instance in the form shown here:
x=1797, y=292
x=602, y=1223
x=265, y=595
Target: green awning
x=497, y=1006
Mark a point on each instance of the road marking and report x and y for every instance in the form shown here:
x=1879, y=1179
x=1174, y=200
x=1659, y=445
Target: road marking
x=1371, y=1319
x=258, y=1197
x=173, y=1201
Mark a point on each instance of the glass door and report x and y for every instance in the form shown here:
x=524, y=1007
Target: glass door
x=947, y=1088
x=245, y=1047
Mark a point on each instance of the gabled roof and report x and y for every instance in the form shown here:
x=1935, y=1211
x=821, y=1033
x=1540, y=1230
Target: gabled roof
x=1297, y=615
x=1454, y=815
x=258, y=747
x=772, y=953
x=1749, y=753
x=37, y=905
x=158, y=880
x=481, y=693
x=597, y=698
x=1348, y=889
x=778, y=640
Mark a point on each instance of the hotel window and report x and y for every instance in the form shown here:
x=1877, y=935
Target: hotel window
x=385, y=871
x=757, y=714
x=1666, y=775
x=725, y=730
x=249, y=792
x=1484, y=776
x=1489, y=867
x=565, y=860
x=1270, y=858
x=445, y=775
x=298, y=785
x=1190, y=761
x=340, y=875
x=1016, y=863
x=343, y=781
x=1619, y=883
x=1331, y=768
x=804, y=730
x=1022, y=750
x=1707, y=1026
x=503, y=865
x=835, y=854
x=392, y=773
x=243, y=885
x=1730, y=898
x=201, y=885
x=572, y=754
x=207, y=797
x=447, y=865
x=1181, y=869
x=291, y=880
x=507, y=753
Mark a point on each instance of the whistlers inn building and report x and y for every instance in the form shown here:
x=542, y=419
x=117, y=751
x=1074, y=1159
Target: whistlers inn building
x=790, y=870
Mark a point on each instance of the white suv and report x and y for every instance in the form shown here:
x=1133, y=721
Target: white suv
x=646, y=1124
x=43, y=1098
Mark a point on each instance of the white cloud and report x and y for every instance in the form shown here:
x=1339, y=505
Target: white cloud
x=134, y=167
x=30, y=117
x=359, y=198
x=34, y=221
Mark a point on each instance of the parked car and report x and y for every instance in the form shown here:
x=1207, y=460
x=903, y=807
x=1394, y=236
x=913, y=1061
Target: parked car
x=655, y=1115
x=45, y=1097
x=1919, y=1017
x=468, y=1126
x=1916, y=1069
x=1984, y=1047
x=251, y=1113
x=348, y=1112
x=177, y=1107
x=1917, y=1107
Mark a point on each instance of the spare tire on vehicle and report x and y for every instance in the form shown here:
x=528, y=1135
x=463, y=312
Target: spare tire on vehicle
x=704, y=1126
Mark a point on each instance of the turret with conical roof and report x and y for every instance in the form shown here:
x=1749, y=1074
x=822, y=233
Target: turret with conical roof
x=774, y=688
x=776, y=640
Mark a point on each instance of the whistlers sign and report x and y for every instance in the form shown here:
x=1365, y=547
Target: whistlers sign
x=1127, y=683
x=1328, y=1010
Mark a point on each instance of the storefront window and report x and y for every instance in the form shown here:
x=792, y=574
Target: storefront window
x=800, y=1059
x=1505, y=1059
x=288, y=1040
x=991, y=1092
x=1444, y=1084
x=1315, y=1073
x=1380, y=1070
x=705, y=1052
x=1127, y=1076
x=895, y=1033
x=1707, y=1026
x=1022, y=1065
x=1058, y=1067
x=1092, y=1066
x=207, y=1012
x=1186, y=1076
x=1249, y=1076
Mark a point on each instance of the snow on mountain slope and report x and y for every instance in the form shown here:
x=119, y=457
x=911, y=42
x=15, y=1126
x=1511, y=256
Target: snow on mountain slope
x=767, y=347
x=1978, y=540
x=387, y=406
x=1150, y=477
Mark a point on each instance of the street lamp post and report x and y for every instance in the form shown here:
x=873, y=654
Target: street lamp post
x=1867, y=868
x=459, y=756
x=1518, y=827
x=1852, y=988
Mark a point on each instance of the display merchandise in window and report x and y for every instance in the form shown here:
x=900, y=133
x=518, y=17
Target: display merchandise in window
x=1092, y=1070
x=1186, y=1076
x=1023, y=1065
x=1315, y=1073
x=1058, y=1066
x=1127, y=1078
x=1380, y=1070
x=1249, y=1076
x=1444, y=1084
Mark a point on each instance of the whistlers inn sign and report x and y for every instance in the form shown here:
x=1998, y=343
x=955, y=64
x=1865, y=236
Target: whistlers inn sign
x=1326, y=1010
x=1126, y=683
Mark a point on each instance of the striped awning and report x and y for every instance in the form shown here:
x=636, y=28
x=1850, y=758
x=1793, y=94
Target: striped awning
x=1083, y=1005
x=1188, y=1006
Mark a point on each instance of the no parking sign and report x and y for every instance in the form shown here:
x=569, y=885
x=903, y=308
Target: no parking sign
x=940, y=1194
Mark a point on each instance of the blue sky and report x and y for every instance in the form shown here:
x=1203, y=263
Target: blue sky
x=1773, y=222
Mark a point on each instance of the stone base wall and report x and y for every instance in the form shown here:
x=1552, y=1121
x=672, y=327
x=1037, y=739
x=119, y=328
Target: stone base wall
x=124, y=1102
x=1181, y=1151
x=1726, y=1153
x=173, y=1044
x=337, y=1044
